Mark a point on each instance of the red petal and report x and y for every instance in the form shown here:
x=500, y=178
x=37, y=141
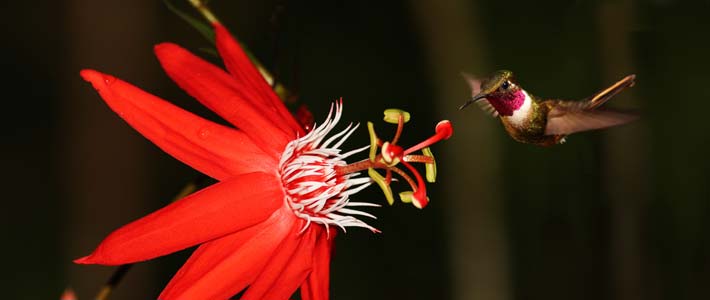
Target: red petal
x=220, y=209
x=234, y=101
x=221, y=268
x=213, y=149
x=317, y=285
x=240, y=66
x=286, y=270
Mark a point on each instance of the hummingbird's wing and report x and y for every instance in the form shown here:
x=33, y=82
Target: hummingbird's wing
x=487, y=107
x=561, y=122
x=566, y=117
x=475, y=85
x=604, y=95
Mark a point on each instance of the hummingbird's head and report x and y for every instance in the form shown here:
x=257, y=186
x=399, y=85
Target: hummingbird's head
x=501, y=91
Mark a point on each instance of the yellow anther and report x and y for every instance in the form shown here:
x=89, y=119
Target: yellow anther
x=392, y=115
x=430, y=167
x=406, y=197
x=373, y=141
x=376, y=177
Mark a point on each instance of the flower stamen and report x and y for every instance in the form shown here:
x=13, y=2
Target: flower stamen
x=392, y=154
x=318, y=182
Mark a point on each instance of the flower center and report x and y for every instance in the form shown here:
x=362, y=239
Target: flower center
x=392, y=154
x=315, y=190
x=318, y=182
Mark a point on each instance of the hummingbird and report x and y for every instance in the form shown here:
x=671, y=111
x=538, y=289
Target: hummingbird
x=544, y=122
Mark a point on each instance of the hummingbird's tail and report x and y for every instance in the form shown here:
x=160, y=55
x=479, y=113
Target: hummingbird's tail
x=603, y=96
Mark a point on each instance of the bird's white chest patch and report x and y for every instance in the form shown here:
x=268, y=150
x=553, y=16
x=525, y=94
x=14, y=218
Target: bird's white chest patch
x=521, y=114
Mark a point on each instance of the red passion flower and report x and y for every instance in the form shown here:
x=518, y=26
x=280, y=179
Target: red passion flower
x=264, y=227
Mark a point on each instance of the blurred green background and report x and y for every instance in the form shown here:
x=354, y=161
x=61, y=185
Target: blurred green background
x=617, y=214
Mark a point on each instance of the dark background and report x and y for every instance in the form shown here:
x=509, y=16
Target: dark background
x=617, y=214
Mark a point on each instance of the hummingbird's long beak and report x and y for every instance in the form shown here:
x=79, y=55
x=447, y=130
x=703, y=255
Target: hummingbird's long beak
x=473, y=100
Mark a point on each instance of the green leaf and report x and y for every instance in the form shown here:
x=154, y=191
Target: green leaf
x=203, y=28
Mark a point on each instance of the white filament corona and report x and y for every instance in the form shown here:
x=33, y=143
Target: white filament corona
x=314, y=190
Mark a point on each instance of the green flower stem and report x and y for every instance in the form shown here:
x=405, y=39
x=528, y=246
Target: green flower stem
x=280, y=89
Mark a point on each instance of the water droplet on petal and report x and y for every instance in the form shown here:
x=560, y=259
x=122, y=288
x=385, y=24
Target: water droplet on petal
x=108, y=79
x=204, y=133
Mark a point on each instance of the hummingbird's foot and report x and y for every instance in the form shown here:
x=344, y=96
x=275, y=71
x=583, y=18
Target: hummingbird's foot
x=392, y=154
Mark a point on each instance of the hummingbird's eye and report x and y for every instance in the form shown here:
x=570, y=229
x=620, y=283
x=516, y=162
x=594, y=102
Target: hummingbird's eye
x=505, y=85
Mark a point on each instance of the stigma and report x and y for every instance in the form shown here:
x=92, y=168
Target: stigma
x=318, y=182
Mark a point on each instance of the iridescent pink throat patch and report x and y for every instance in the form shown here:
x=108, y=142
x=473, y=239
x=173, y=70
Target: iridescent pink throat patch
x=507, y=103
